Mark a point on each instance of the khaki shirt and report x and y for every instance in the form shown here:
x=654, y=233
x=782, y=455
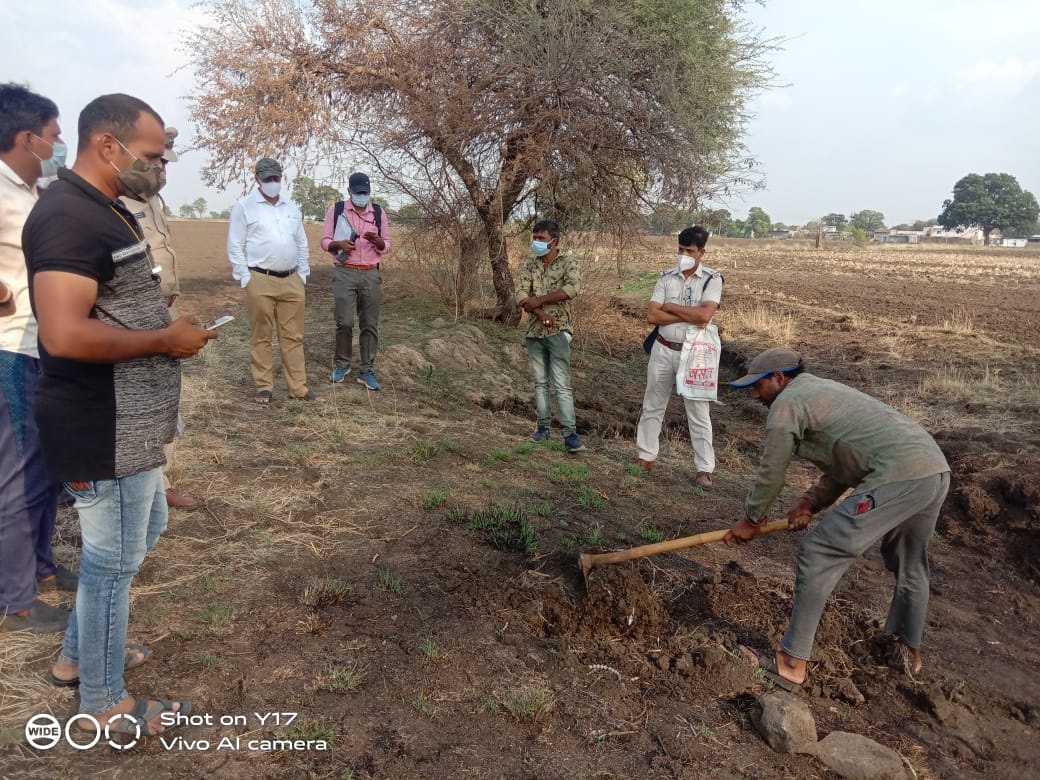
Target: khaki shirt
x=536, y=280
x=152, y=219
x=704, y=284
x=854, y=439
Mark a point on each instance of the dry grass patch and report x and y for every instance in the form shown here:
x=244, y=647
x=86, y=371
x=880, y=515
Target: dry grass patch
x=23, y=692
x=760, y=319
x=958, y=385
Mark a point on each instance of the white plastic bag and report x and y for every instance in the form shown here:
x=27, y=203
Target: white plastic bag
x=698, y=374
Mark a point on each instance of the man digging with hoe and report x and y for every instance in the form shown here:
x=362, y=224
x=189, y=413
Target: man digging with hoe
x=898, y=477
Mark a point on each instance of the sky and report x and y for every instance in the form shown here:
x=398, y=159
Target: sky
x=877, y=104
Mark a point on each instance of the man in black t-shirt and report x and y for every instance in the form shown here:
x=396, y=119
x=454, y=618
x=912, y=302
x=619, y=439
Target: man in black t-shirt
x=107, y=398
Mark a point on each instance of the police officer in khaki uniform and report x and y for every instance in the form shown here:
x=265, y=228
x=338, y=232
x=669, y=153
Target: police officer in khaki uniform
x=150, y=210
x=685, y=296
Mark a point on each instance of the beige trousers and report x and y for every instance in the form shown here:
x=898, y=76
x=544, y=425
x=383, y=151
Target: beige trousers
x=274, y=302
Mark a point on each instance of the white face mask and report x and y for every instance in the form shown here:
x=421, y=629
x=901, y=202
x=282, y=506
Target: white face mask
x=271, y=188
x=686, y=262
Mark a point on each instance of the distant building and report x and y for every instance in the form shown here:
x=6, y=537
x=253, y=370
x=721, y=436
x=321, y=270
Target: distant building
x=780, y=234
x=894, y=236
x=972, y=236
x=1012, y=242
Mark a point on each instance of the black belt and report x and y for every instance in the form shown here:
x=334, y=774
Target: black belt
x=276, y=274
x=670, y=344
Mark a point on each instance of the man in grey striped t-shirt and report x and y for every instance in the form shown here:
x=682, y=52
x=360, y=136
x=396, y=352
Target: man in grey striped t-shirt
x=107, y=398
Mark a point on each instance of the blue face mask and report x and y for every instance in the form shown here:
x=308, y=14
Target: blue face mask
x=359, y=200
x=540, y=248
x=49, y=167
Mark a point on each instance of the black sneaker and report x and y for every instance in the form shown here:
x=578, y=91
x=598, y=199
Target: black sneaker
x=573, y=443
x=42, y=619
x=62, y=579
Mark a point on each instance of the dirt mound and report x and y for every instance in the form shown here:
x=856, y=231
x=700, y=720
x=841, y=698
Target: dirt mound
x=994, y=498
x=618, y=604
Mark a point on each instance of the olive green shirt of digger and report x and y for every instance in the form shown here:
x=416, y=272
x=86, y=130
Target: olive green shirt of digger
x=537, y=280
x=855, y=440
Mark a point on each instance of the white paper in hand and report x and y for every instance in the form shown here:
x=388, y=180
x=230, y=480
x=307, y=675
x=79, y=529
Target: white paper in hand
x=343, y=231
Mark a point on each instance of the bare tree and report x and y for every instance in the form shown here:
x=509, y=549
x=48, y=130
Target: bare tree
x=472, y=107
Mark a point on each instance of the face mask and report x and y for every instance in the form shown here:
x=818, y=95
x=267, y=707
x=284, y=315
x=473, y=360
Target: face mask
x=140, y=179
x=49, y=167
x=686, y=262
x=271, y=188
x=540, y=248
x=359, y=200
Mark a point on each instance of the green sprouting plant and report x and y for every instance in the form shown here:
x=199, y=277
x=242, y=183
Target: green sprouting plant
x=529, y=703
x=588, y=498
x=544, y=509
x=430, y=649
x=340, y=678
x=593, y=536
x=423, y=451
x=455, y=515
x=505, y=527
x=569, y=473
x=435, y=499
x=650, y=534
x=390, y=583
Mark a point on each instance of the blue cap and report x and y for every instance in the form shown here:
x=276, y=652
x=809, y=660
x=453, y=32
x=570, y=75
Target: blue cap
x=775, y=359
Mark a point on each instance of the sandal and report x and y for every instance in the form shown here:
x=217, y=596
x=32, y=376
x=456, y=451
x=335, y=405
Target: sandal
x=136, y=655
x=135, y=722
x=310, y=395
x=767, y=663
x=263, y=397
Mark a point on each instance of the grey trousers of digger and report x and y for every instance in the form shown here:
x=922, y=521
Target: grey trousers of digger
x=900, y=514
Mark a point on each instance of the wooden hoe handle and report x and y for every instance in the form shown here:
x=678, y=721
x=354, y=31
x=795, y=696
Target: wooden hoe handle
x=589, y=562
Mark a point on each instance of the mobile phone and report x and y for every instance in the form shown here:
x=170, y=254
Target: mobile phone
x=224, y=320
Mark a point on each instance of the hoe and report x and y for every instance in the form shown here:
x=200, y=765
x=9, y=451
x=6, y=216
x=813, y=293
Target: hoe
x=589, y=562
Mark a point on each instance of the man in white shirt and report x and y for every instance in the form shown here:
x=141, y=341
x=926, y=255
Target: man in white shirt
x=686, y=295
x=268, y=253
x=30, y=151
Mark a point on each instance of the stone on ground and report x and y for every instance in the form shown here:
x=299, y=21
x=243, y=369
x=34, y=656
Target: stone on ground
x=785, y=722
x=856, y=757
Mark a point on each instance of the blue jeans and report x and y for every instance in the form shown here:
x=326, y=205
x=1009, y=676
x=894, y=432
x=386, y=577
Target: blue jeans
x=551, y=362
x=120, y=520
x=28, y=498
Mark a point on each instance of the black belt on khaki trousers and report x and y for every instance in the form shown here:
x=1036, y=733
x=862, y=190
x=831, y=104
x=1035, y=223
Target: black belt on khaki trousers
x=276, y=274
x=677, y=346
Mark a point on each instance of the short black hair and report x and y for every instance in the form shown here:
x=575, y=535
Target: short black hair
x=793, y=372
x=550, y=227
x=116, y=114
x=694, y=236
x=22, y=109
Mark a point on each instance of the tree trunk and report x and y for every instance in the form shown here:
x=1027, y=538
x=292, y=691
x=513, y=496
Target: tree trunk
x=985, y=235
x=502, y=277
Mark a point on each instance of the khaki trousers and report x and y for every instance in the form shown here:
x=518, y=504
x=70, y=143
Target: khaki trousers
x=274, y=302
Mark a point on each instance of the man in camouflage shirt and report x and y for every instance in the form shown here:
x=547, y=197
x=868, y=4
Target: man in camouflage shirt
x=548, y=282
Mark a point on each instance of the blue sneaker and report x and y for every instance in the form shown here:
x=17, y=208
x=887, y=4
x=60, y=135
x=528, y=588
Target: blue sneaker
x=339, y=373
x=573, y=443
x=542, y=434
x=368, y=379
